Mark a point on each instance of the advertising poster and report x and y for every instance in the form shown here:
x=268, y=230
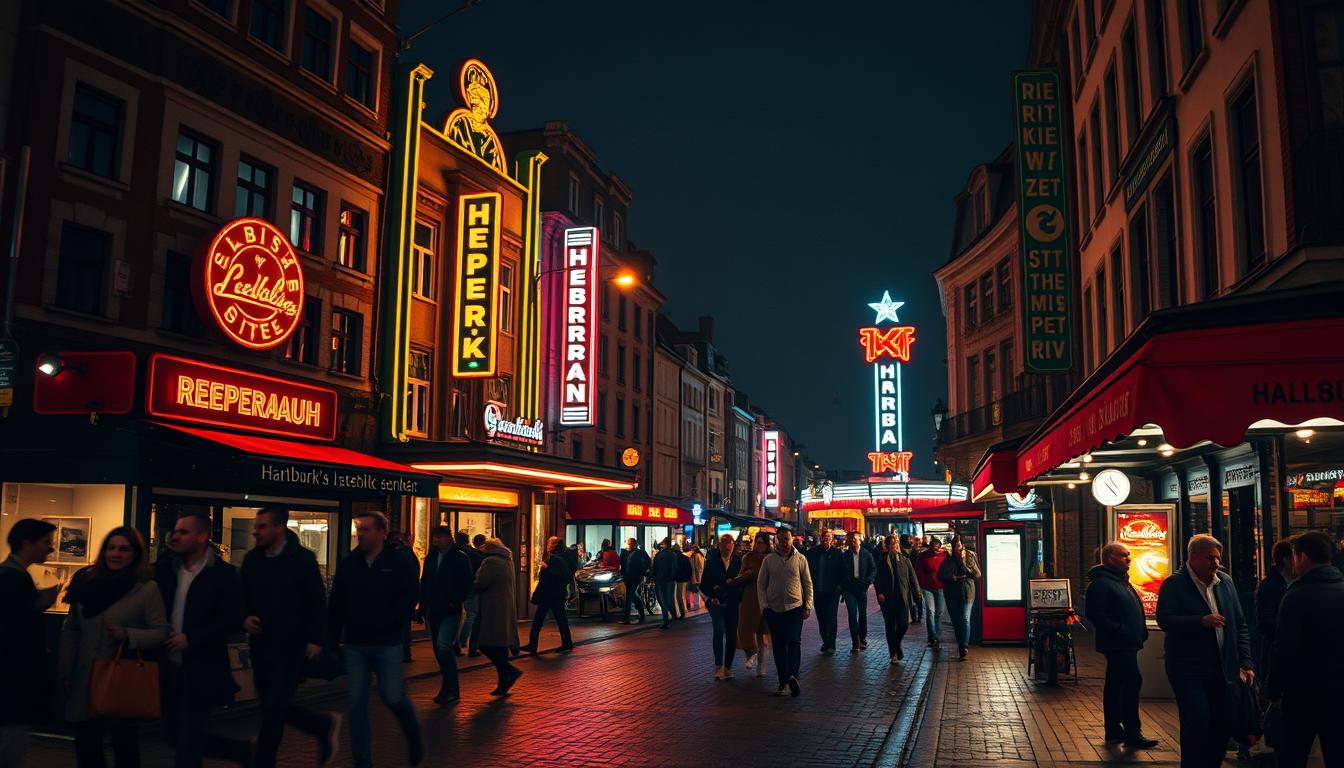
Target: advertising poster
x=1147, y=534
x=1003, y=566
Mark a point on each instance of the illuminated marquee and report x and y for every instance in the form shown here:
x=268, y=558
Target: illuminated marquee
x=648, y=512
x=578, y=387
x=476, y=312
x=886, y=348
x=770, y=469
x=188, y=390
x=252, y=283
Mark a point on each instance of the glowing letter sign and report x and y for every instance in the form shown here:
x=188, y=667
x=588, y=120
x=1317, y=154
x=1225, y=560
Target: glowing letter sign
x=577, y=384
x=476, y=313
x=770, y=472
x=253, y=283
x=188, y=390
x=498, y=427
x=886, y=348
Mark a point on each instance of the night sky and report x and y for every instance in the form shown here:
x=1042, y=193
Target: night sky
x=789, y=162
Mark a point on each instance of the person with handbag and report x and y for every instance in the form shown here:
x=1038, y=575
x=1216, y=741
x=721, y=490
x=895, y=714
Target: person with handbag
x=116, y=615
x=553, y=580
x=958, y=573
x=721, y=599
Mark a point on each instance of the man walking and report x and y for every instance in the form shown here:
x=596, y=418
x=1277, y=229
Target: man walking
x=1308, y=661
x=826, y=564
x=467, y=634
x=897, y=592
x=784, y=588
x=926, y=570
x=1208, y=648
x=858, y=569
x=634, y=567
x=443, y=589
x=910, y=548
x=665, y=579
x=23, y=645
x=1116, y=613
x=372, y=598
x=284, y=602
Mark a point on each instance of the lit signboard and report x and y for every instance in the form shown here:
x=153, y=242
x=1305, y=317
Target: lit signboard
x=886, y=348
x=770, y=469
x=578, y=386
x=252, y=283
x=492, y=497
x=1147, y=534
x=499, y=427
x=476, y=311
x=1003, y=565
x=189, y=390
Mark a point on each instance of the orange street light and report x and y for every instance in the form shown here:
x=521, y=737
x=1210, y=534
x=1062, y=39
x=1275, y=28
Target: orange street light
x=624, y=279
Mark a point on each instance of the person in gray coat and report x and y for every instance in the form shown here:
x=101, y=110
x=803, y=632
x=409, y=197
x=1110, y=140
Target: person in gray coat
x=498, y=615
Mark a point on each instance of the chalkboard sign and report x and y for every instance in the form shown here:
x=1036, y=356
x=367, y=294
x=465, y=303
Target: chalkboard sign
x=1049, y=594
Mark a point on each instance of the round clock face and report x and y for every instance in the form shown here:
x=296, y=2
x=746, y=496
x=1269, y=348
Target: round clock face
x=1110, y=487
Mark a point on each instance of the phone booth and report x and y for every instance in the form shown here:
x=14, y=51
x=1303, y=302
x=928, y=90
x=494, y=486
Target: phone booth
x=1003, y=592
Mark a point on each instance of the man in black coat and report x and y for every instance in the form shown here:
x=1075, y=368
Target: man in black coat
x=1267, y=598
x=1308, y=658
x=24, y=676
x=897, y=591
x=824, y=562
x=553, y=580
x=634, y=567
x=472, y=606
x=1116, y=614
x=203, y=600
x=857, y=571
x=444, y=586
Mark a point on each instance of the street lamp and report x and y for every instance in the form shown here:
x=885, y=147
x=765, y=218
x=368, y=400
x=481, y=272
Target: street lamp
x=939, y=413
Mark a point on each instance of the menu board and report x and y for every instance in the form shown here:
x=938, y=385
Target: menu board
x=1147, y=533
x=1003, y=566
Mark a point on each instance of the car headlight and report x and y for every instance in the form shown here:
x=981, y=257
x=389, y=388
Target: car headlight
x=604, y=577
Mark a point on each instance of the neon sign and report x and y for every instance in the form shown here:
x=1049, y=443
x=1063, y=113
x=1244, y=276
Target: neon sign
x=886, y=348
x=499, y=427
x=476, y=312
x=770, y=469
x=893, y=461
x=189, y=390
x=253, y=283
x=578, y=383
x=468, y=126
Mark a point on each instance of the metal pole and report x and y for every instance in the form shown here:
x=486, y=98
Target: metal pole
x=16, y=232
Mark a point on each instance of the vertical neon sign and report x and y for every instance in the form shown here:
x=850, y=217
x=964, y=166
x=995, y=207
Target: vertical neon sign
x=886, y=348
x=577, y=398
x=770, y=469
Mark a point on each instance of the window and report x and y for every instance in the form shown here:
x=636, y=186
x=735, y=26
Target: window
x=1157, y=49
x=83, y=264
x=1246, y=135
x=620, y=416
x=1098, y=190
x=1084, y=221
x=1192, y=31
x=419, y=374
x=600, y=456
x=1138, y=262
x=361, y=65
x=1112, y=129
x=222, y=7
x=1118, y=291
x=95, y=132
x=305, y=218
x=1206, y=220
x=302, y=346
x=602, y=354
x=573, y=195
x=991, y=376
x=253, y=196
x=599, y=214
x=634, y=422
x=193, y=171
x=422, y=261
x=178, y=315
x=316, y=56
x=578, y=448
x=1005, y=277
x=351, y=246
x=972, y=383
x=987, y=295
x=620, y=311
x=1088, y=333
x=601, y=414
x=618, y=230
x=605, y=302
x=1103, y=343
x=1166, y=279
x=620, y=363
x=971, y=318
x=1326, y=22
x=346, y=332
x=1129, y=60
x=639, y=322
x=1075, y=50
x=506, y=298
x=636, y=368
x=268, y=22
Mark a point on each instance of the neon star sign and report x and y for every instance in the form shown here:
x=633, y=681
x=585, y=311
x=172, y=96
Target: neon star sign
x=886, y=348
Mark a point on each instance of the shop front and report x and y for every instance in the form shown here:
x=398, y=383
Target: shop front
x=877, y=506
x=592, y=517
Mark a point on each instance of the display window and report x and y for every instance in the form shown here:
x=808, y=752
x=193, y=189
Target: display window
x=83, y=515
x=1314, y=481
x=589, y=537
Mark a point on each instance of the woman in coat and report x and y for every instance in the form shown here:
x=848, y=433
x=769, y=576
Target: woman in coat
x=112, y=602
x=697, y=570
x=753, y=637
x=553, y=582
x=498, y=618
x=958, y=573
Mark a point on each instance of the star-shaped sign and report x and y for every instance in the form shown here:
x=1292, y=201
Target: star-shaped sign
x=886, y=309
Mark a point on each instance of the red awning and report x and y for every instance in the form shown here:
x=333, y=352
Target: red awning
x=587, y=505
x=961, y=510
x=1203, y=384
x=997, y=473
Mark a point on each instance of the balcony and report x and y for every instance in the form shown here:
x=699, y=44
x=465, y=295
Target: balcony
x=1032, y=403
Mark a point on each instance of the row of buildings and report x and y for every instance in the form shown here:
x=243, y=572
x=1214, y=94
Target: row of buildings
x=250, y=265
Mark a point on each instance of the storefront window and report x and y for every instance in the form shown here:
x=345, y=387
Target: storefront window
x=1315, y=483
x=474, y=522
x=315, y=529
x=653, y=536
x=83, y=516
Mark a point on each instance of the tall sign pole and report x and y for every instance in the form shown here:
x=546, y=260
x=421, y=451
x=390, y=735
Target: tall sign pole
x=886, y=347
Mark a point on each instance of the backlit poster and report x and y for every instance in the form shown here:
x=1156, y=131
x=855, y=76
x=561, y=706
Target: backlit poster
x=1147, y=533
x=1003, y=566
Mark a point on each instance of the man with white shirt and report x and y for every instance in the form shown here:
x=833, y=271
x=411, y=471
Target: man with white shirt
x=784, y=588
x=1208, y=648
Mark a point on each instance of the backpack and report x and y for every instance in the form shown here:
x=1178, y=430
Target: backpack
x=683, y=568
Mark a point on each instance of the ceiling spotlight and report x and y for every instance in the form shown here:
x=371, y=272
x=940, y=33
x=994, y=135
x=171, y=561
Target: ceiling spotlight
x=50, y=365
x=1087, y=458
x=1305, y=433
x=1165, y=449
x=1084, y=476
x=1143, y=441
x=1071, y=486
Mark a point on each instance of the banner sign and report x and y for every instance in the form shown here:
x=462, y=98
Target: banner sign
x=770, y=469
x=204, y=393
x=578, y=385
x=1047, y=284
x=476, y=309
x=252, y=283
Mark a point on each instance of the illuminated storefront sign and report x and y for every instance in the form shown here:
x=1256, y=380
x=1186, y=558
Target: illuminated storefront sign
x=188, y=390
x=1146, y=534
x=578, y=385
x=770, y=469
x=649, y=512
x=468, y=127
x=886, y=348
x=630, y=457
x=476, y=311
x=252, y=283
x=499, y=427
x=491, y=497
x=893, y=461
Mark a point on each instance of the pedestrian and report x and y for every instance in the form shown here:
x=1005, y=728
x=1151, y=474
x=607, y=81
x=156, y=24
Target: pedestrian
x=784, y=588
x=478, y=544
x=856, y=577
x=444, y=586
x=959, y=573
x=573, y=557
x=1116, y=614
x=23, y=643
x=1208, y=648
x=753, y=632
x=825, y=563
x=284, y=607
x=722, y=594
x=114, y=606
x=665, y=579
x=499, y=617
x=927, y=565
x=609, y=558
x=466, y=635
x=684, y=574
x=910, y=548
x=204, y=602
x=1268, y=595
x=897, y=591
x=1308, y=661
x=372, y=597
x=634, y=567
x=400, y=545
x=697, y=559
x=553, y=580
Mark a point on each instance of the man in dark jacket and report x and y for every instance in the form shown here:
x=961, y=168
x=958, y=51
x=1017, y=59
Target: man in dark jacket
x=824, y=561
x=1208, y=648
x=284, y=602
x=897, y=593
x=665, y=579
x=204, y=604
x=857, y=571
x=443, y=589
x=24, y=676
x=553, y=579
x=372, y=599
x=467, y=634
x=1308, y=660
x=718, y=585
x=1267, y=598
x=1116, y=613
x=910, y=548
x=634, y=567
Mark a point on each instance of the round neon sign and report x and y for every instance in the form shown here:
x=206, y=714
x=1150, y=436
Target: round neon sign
x=253, y=283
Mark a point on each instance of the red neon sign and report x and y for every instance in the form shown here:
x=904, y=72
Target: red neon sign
x=578, y=396
x=891, y=342
x=189, y=390
x=891, y=461
x=253, y=283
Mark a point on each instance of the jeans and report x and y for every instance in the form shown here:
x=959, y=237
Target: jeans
x=828, y=606
x=896, y=620
x=786, y=635
x=1306, y=718
x=681, y=598
x=187, y=727
x=89, y=743
x=362, y=662
x=443, y=631
x=857, y=605
x=276, y=676
x=933, y=612
x=561, y=620
x=959, y=612
x=724, y=619
x=1202, y=701
x=1120, y=695
x=667, y=599
x=465, y=635
x=632, y=599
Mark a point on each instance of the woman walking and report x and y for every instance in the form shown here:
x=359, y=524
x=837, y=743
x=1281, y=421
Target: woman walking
x=498, y=620
x=958, y=573
x=553, y=581
x=697, y=572
x=113, y=603
x=718, y=581
x=752, y=633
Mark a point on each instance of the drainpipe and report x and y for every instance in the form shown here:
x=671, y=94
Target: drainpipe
x=16, y=232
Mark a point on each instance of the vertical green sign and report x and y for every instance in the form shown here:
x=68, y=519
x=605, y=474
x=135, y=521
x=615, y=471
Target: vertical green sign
x=1043, y=218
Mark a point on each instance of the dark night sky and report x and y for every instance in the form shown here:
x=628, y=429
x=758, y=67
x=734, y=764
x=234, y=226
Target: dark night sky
x=789, y=162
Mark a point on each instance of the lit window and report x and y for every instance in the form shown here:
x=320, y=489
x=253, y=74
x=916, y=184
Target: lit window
x=305, y=218
x=418, y=377
x=351, y=245
x=422, y=267
x=506, y=298
x=193, y=171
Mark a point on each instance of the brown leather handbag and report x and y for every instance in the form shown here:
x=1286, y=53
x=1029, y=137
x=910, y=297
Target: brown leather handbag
x=124, y=689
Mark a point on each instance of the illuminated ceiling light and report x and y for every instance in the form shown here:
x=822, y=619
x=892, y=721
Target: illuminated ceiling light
x=1305, y=434
x=1165, y=449
x=50, y=365
x=1142, y=442
x=1087, y=458
x=1084, y=476
x=1071, y=486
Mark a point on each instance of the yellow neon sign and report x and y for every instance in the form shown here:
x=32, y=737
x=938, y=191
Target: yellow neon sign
x=468, y=126
x=467, y=495
x=476, y=309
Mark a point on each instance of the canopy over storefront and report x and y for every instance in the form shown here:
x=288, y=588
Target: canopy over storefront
x=589, y=505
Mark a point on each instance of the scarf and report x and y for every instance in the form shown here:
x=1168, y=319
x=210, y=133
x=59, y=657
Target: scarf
x=95, y=594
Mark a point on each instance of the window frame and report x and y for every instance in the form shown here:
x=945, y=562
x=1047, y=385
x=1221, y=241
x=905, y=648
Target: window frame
x=506, y=294
x=303, y=343
x=365, y=42
x=176, y=299
x=1204, y=217
x=282, y=44
x=94, y=128
x=210, y=168
x=1003, y=275
x=333, y=42
x=418, y=410
x=250, y=188
x=318, y=213
x=72, y=272
x=1248, y=221
x=420, y=256
x=344, y=232
x=348, y=337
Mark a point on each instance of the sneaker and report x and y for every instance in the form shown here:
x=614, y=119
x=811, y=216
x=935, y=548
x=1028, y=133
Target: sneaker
x=794, y=688
x=718, y=673
x=961, y=654
x=329, y=742
x=783, y=691
x=1141, y=742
